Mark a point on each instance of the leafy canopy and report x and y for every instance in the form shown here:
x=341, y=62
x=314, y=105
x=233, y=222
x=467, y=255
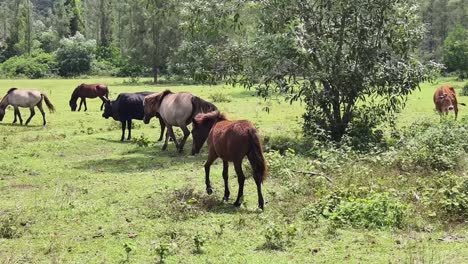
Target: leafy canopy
x=348, y=59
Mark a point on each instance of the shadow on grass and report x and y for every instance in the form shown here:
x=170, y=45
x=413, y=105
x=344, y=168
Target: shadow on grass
x=140, y=159
x=18, y=125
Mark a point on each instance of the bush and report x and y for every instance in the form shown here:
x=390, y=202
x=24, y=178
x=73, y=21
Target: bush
x=448, y=197
x=375, y=210
x=220, y=98
x=102, y=68
x=378, y=210
x=38, y=65
x=279, y=239
x=439, y=147
x=464, y=91
x=131, y=70
x=75, y=55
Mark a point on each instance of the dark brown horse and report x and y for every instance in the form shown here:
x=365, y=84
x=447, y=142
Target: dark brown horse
x=230, y=141
x=84, y=91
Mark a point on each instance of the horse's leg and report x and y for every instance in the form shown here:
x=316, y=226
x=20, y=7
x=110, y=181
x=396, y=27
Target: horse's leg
x=103, y=101
x=19, y=115
x=39, y=105
x=129, y=124
x=171, y=134
x=186, y=135
x=32, y=114
x=258, y=182
x=163, y=126
x=240, y=180
x=212, y=156
x=14, y=113
x=81, y=103
x=123, y=130
x=225, y=177
x=85, y=106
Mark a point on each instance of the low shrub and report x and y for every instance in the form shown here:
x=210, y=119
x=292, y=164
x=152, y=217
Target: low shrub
x=439, y=147
x=34, y=66
x=373, y=211
x=220, y=98
x=277, y=238
x=464, y=91
x=447, y=198
x=102, y=68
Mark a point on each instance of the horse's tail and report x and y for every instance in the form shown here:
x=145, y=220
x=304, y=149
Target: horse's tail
x=48, y=103
x=255, y=156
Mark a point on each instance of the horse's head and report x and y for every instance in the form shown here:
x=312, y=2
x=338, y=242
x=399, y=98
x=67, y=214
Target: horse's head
x=201, y=127
x=151, y=105
x=72, y=105
x=107, y=109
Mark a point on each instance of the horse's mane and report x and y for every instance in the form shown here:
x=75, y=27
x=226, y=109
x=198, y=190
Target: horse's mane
x=202, y=106
x=2, y=102
x=213, y=116
x=11, y=90
x=165, y=92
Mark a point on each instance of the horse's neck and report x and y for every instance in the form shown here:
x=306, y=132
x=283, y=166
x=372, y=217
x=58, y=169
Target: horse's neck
x=74, y=95
x=4, y=102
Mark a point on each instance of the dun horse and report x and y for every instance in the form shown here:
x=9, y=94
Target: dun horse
x=25, y=98
x=84, y=91
x=176, y=109
x=230, y=141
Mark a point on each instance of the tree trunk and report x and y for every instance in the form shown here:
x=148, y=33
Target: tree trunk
x=155, y=73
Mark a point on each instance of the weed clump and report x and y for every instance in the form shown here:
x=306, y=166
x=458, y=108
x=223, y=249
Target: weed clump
x=374, y=211
x=220, y=98
x=438, y=147
x=9, y=225
x=277, y=238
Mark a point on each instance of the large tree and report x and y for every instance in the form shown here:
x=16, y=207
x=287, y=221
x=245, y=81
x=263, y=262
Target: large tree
x=347, y=59
x=456, y=51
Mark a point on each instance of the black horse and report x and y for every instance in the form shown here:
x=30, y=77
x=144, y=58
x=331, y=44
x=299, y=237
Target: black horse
x=126, y=107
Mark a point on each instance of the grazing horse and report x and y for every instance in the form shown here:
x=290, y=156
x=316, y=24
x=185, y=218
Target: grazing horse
x=25, y=98
x=230, y=141
x=126, y=107
x=84, y=91
x=176, y=109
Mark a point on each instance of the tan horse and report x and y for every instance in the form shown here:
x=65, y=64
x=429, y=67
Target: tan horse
x=25, y=98
x=176, y=109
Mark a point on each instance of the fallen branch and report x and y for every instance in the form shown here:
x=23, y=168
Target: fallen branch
x=314, y=174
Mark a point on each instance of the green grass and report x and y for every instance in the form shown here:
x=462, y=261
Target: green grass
x=74, y=194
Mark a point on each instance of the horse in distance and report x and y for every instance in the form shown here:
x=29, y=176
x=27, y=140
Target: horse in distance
x=176, y=109
x=25, y=98
x=126, y=107
x=231, y=141
x=84, y=91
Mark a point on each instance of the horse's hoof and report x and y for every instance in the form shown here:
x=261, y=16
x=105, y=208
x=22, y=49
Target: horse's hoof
x=237, y=204
x=226, y=198
x=209, y=191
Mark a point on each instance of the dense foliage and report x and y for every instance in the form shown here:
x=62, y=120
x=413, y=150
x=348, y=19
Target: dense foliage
x=333, y=56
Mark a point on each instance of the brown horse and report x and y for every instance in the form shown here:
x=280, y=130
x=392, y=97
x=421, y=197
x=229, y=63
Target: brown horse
x=230, y=141
x=176, y=109
x=84, y=91
x=25, y=98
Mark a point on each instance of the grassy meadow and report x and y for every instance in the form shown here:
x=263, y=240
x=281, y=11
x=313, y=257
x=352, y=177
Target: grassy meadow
x=70, y=192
